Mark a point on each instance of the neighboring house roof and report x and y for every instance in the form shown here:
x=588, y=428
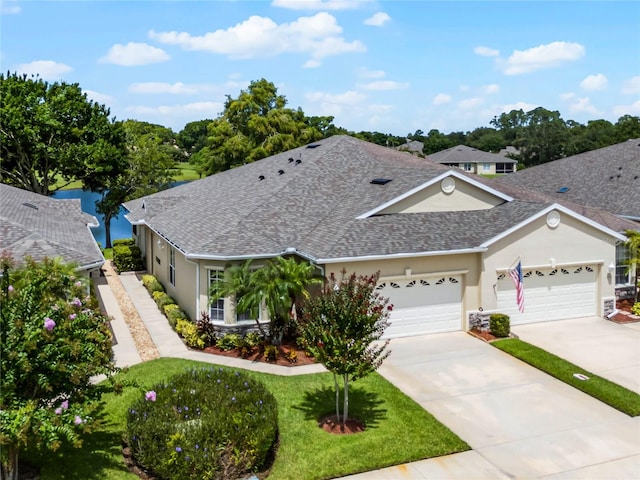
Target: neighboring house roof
x=320, y=202
x=38, y=226
x=607, y=178
x=464, y=154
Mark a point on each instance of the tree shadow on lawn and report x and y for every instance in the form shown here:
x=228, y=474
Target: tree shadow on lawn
x=363, y=405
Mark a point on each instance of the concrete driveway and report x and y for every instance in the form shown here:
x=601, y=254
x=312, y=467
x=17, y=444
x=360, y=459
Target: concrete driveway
x=520, y=422
x=607, y=349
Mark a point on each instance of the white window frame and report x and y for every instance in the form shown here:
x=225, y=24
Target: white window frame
x=468, y=167
x=172, y=266
x=622, y=257
x=216, y=309
x=486, y=167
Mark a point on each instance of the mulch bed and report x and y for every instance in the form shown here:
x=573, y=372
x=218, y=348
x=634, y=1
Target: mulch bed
x=624, y=306
x=256, y=354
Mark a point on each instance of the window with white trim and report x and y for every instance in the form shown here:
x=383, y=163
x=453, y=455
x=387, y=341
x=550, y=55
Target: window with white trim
x=623, y=272
x=486, y=167
x=216, y=308
x=172, y=266
x=468, y=167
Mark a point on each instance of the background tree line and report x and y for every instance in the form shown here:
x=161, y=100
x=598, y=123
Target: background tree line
x=51, y=135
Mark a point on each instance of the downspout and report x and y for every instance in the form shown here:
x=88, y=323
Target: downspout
x=197, y=265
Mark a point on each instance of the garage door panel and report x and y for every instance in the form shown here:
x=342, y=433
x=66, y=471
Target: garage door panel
x=552, y=294
x=423, y=306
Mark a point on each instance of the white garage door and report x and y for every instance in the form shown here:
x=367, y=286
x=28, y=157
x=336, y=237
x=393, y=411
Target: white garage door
x=551, y=294
x=427, y=305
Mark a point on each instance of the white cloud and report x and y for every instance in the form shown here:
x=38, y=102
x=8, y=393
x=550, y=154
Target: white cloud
x=632, y=109
x=583, y=105
x=206, y=108
x=384, y=85
x=319, y=4
x=377, y=20
x=10, y=7
x=365, y=73
x=441, y=99
x=161, y=87
x=133, y=54
x=260, y=37
x=594, y=82
x=491, y=89
x=470, y=103
x=45, y=69
x=334, y=104
x=486, y=51
x=631, y=86
x=543, y=56
x=525, y=107
x=98, y=97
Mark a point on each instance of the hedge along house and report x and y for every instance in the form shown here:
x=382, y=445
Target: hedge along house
x=441, y=240
x=36, y=226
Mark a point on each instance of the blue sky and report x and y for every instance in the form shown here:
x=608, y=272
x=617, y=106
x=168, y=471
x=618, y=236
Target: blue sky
x=387, y=66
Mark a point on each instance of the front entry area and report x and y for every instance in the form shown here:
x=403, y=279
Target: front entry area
x=550, y=294
x=423, y=305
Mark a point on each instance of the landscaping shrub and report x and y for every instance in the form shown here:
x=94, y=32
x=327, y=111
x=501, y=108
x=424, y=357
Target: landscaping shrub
x=175, y=314
x=499, y=325
x=152, y=284
x=188, y=330
x=228, y=341
x=162, y=300
x=204, y=423
x=127, y=258
x=123, y=241
x=206, y=329
x=253, y=339
x=636, y=308
x=271, y=353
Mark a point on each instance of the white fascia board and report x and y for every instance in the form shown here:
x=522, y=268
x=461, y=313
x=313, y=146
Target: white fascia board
x=560, y=208
x=417, y=189
x=227, y=258
x=394, y=256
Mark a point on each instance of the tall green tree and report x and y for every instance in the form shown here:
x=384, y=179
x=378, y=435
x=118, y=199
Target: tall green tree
x=51, y=132
x=255, y=125
x=148, y=168
x=53, y=340
x=342, y=327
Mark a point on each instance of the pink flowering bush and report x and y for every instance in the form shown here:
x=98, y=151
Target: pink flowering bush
x=209, y=423
x=52, y=344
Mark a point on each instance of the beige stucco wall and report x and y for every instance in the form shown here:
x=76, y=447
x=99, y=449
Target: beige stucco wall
x=536, y=244
x=433, y=199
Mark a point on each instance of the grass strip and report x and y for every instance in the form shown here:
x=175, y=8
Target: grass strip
x=612, y=394
x=398, y=429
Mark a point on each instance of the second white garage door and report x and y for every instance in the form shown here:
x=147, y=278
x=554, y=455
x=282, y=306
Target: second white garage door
x=550, y=294
x=425, y=305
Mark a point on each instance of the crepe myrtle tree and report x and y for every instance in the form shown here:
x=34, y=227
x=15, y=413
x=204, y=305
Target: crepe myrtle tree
x=342, y=327
x=53, y=340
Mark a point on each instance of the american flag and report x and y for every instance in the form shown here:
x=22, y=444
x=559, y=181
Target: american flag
x=516, y=276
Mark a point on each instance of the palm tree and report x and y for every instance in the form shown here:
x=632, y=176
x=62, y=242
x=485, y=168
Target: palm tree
x=279, y=285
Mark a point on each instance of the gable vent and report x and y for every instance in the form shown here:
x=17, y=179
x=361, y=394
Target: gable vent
x=380, y=181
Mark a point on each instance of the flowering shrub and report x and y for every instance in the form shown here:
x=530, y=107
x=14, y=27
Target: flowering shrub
x=204, y=423
x=54, y=340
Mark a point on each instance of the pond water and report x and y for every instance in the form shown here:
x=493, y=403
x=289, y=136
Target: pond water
x=120, y=227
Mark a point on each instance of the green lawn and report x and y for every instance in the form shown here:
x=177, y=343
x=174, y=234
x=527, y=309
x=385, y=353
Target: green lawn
x=398, y=430
x=614, y=395
x=186, y=172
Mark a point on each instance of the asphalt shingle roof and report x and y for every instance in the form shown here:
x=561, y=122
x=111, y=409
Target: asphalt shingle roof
x=314, y=205
x=607, y=178
x=465, y=154
x=38, y=226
